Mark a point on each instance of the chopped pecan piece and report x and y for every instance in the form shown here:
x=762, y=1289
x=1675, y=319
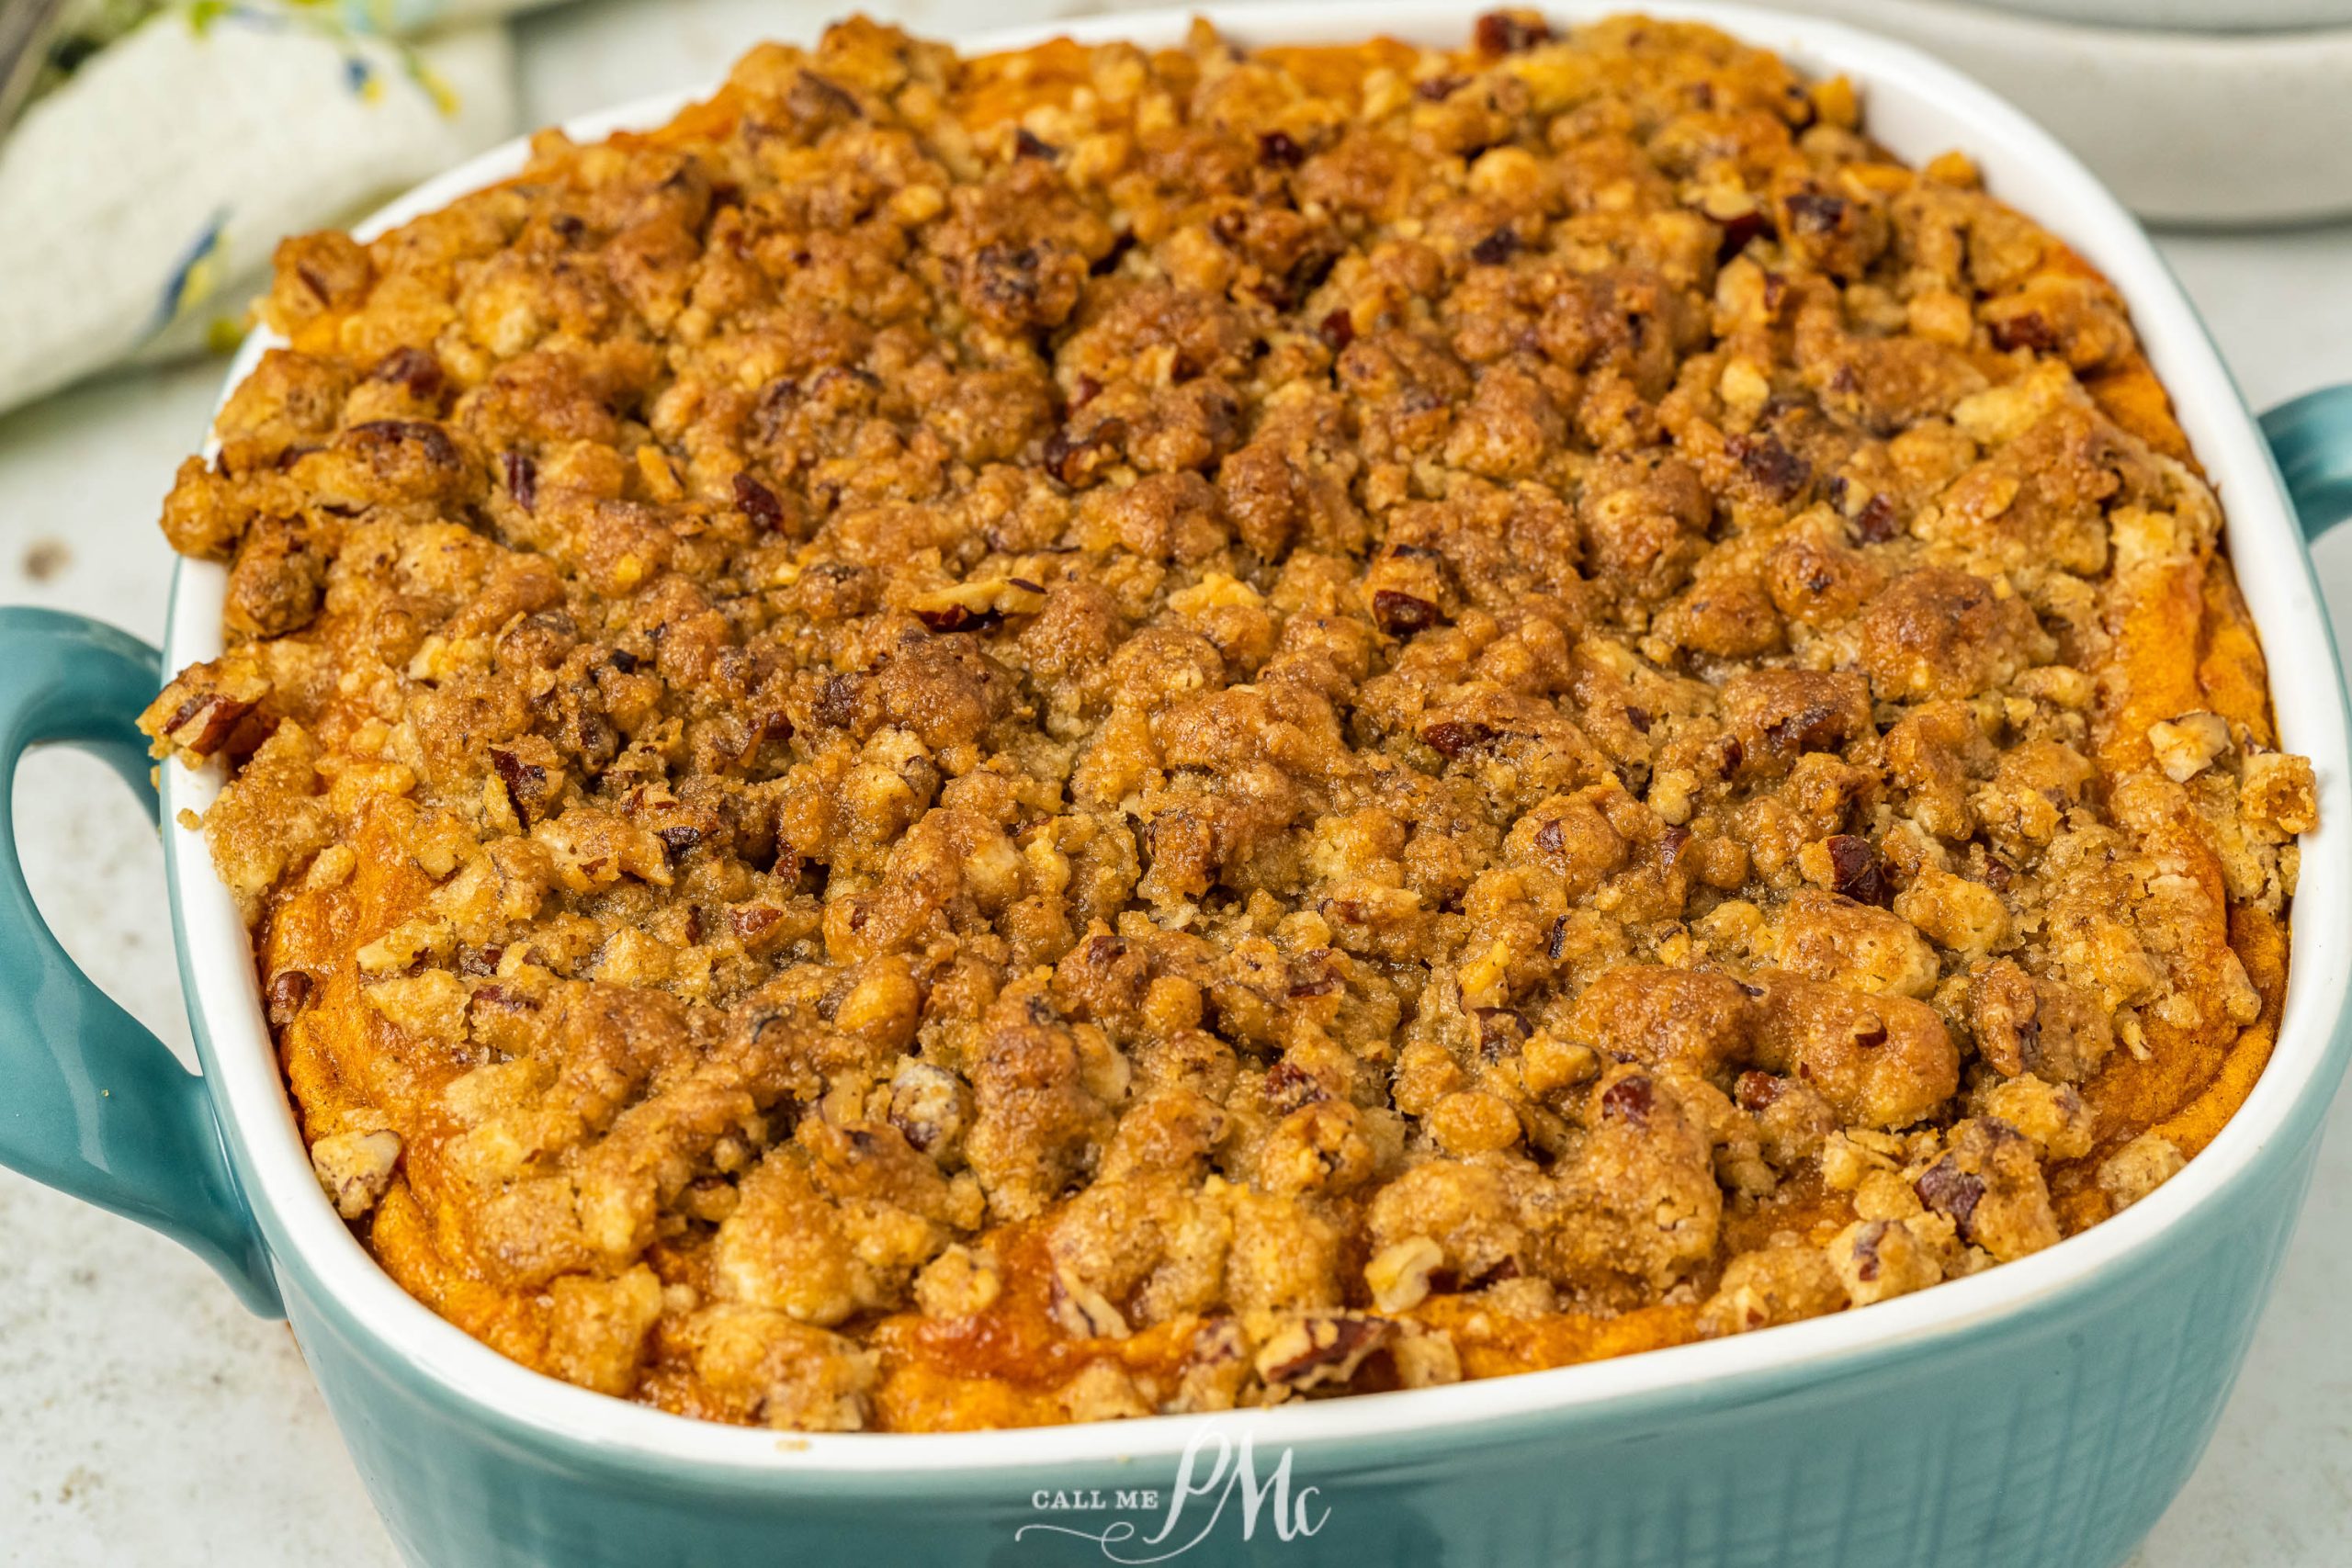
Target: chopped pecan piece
x=1319, y=1350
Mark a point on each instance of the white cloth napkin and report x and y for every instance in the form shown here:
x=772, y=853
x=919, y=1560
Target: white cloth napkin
x=140, y=198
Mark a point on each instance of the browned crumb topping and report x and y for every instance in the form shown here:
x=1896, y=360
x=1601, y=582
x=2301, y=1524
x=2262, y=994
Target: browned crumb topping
x=982, y=741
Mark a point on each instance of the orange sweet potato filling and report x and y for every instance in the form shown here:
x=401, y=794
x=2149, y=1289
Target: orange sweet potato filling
x=976, y=742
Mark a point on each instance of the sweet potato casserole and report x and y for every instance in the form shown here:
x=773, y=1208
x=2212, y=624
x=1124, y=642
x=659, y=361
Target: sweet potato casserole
x=980, y=741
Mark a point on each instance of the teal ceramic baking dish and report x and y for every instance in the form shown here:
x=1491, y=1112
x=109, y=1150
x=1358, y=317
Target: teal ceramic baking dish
x=2043, y=1413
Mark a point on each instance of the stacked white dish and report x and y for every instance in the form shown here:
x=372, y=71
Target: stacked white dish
x=2206, y=112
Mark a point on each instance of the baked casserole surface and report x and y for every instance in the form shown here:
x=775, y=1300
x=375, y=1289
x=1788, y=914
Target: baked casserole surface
x=971, y=742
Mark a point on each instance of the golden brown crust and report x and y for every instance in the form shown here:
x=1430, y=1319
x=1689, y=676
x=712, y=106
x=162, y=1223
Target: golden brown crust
x=965, y=743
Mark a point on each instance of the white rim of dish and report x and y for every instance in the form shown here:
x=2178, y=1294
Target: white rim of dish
x=1916, y=106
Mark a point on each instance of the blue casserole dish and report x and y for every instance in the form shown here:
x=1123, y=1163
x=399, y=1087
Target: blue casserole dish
x=2044, y=1412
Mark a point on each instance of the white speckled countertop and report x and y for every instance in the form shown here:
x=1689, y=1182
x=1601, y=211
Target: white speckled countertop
x=145, y=1419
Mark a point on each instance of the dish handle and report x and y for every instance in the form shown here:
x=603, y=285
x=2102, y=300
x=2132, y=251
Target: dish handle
x=91, y=1103
x=2311, y=438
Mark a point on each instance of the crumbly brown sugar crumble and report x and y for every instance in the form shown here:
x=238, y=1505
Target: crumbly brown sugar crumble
x=972, y=743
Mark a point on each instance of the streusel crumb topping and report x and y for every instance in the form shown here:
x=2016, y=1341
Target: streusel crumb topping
x=979, y=741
